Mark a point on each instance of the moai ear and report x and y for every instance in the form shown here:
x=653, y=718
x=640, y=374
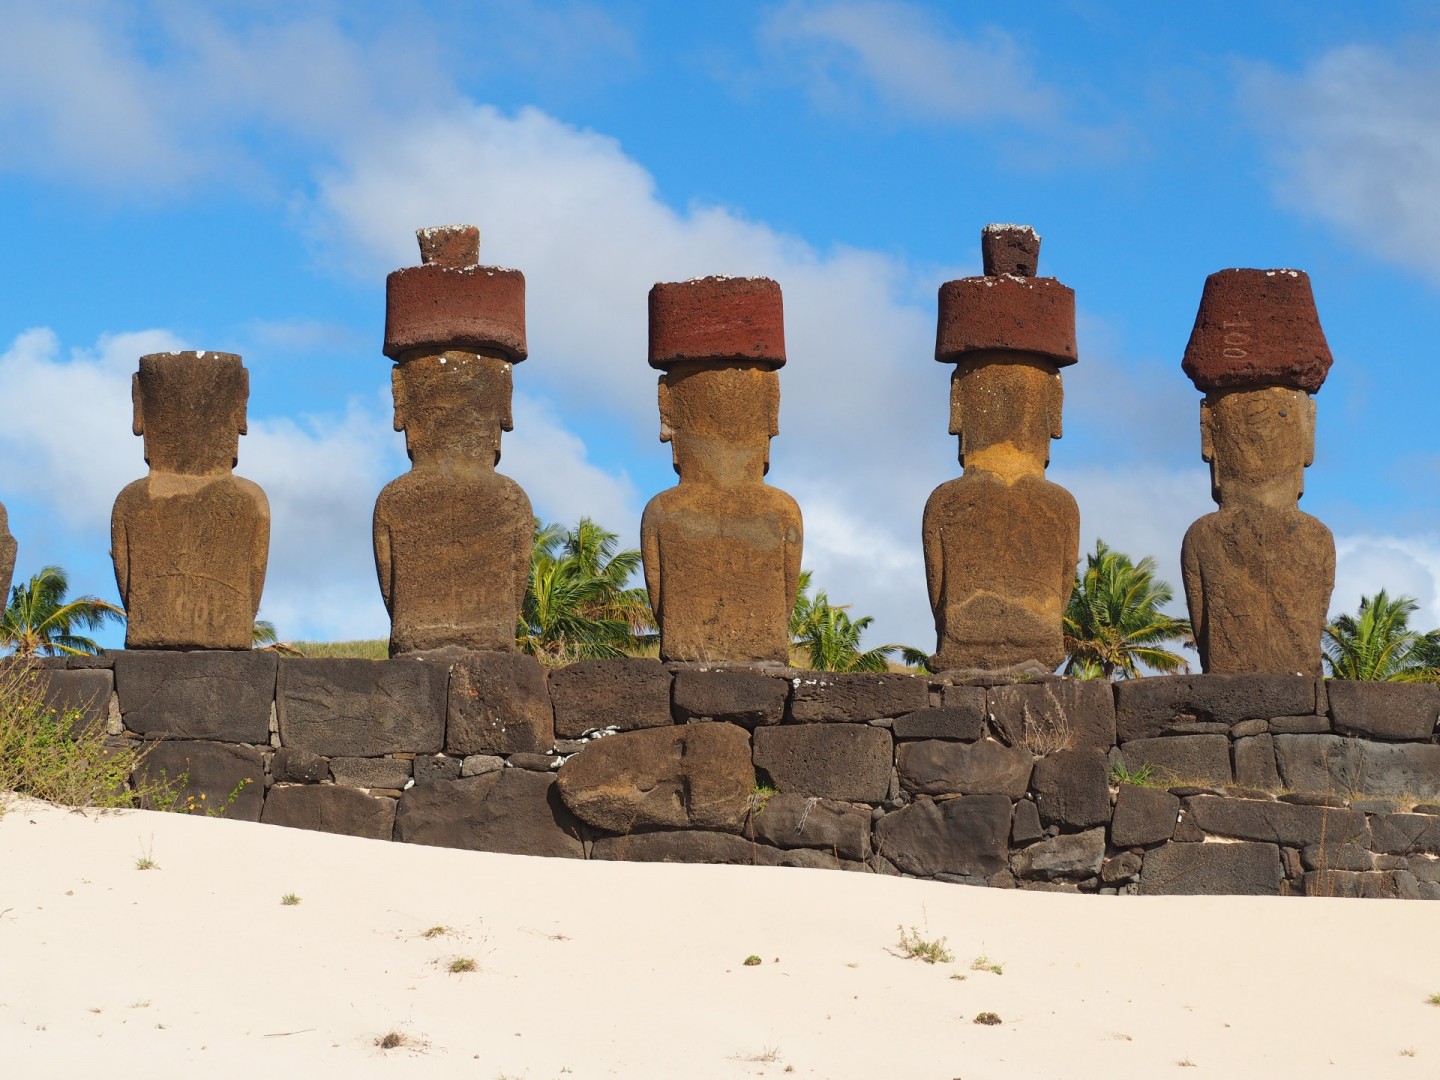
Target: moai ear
x=772, y=403
x=665, y=417
x=507, y=394
x=402, y=402
x=1308, y=424
x=1207, y=438
x=956, y=403
x=137, y=425
x=242, y=407
x=1056, y=404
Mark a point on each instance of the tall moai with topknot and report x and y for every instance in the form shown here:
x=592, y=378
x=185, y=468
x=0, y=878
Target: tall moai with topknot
x=453, y=536
x=1001, y=541
x=722, y=548
x=1259, y=571
x=191, y=541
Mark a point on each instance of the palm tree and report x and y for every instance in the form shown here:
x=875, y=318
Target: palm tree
x=1113, y=623
x=39, y=621
x=1378, y=644
x=831, y=639
x=579, y=605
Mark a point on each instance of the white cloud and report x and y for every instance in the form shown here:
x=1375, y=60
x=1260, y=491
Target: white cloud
x=1357, y=138
x=1401, y=565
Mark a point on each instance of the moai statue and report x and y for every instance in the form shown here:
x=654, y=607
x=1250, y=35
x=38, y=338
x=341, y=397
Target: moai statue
x=722, y=548
x=453, y=536
x=7, y=555
x=1258, y=571
x=191, y=540
x=1001, y=542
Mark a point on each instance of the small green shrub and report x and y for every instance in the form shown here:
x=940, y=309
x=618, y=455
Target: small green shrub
x=752, y=961
x=1143, y=776
x=462, y=964
x=290, y=899
x=914, y=947
x=984, y=963
x=989, y=1019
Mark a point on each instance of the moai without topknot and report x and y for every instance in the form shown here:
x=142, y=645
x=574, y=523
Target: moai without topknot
x=1001, y=542
x=453, y=536
x=1258, y=572
x=7, y=555
x=722, y=548
x=190, y=541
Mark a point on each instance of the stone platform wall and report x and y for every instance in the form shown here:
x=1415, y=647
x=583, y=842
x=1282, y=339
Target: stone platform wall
x=1248, y=784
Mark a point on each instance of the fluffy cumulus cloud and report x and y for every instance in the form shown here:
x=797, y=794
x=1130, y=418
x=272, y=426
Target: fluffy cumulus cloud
x=1357, y=139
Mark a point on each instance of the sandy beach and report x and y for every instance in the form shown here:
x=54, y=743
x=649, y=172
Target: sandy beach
x=592, y=969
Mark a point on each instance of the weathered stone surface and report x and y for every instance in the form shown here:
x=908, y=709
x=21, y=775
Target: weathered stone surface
x=691, y=776
x=7, y=552
x=1072, y=855
x=197, y=695
x=480, y=764
x=84, y=694
x=623, y=694
x=1123, y=867
x=1143, y=816
x=1337, y=856
x=937, y=767
x=427, y=768
x=1211, y=870
x=947, y=722
x=846, y=762
x=1351, y=767
x=1384, y=710
x=722, y=548
x=298, y=766
x=1246, y=728
x=966, y=835
x=1255, y=763
x=1201, y=759
x=1144, y=708
x=204, y=776
x=1006, y=314
x=376, y=772
x=855, y=698
x=1277, y=822
x=797, y=821
x=1025, y=825
x=1009, y=249
x=512, y=811
x=498, y=704
x=533, y=762
x=449, y=302
x=191, y=540
x=327, y=808
x=807, y=859
x=1380, y=885
x=362, y=708
x=684, y=846
x=729, y=696
x=1405, y=834
x=1257, y=328
x=1055, y=714
x=1299, y=725
x=1072, y=788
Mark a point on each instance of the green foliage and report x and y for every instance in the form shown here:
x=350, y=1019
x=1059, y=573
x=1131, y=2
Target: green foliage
x=1144, y=776
x=752, y=961
x=915, y=947
x=39, y=621
x=830, y=638
x=984, y=963
x=290, y=899
x=461, y=965
x=1113, y=622
x=1377, y=644
x=579, y=605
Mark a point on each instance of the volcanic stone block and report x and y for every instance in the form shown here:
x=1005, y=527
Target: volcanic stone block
x=191, y=540
x=1025, y=825
x=83, y=694
x=428, y=768
x=298, y=766
x=1056, y=714
x=1145, y=708
x=370, y=772
x=685, y=846
x=345, y=811
x=1337, y=856
x=1405, y=834
x=947, y=722
x=850, y=763
x=1384, y=710
x=1257, y=327
x=498, y=704
x=1203, y=759
x=1072, y=855
x=1380, y=885
x=1072, y=788
x=362, y=708
x=204, y=776
x=966, y=836
x=717, y=318
x=1143, y=816
x=197, y=695
x=730, y=696
x=623, y=694
x=691, y=776
x=855, y=698
x=1031, y=315
x=1300, y=725
x=1211, y=870
x=1255, y=763
x=936, y=767
x=514, y=811
x=795, y=821
x=1276, y=822
x=1358, y=767
x=470, y=308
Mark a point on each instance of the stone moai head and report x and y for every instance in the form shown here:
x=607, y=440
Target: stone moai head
x=454, y=329
x=720, y=342
x=1008, y=334
x=190, y=408
x=1258, y=353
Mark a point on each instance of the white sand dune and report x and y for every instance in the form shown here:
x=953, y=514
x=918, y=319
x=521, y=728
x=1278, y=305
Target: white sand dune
x=606, y=969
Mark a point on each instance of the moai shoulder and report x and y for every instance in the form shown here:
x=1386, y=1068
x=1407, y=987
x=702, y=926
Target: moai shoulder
x=190, y=541
x=1001, y=541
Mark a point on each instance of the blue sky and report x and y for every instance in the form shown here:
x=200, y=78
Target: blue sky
x=242, y=177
